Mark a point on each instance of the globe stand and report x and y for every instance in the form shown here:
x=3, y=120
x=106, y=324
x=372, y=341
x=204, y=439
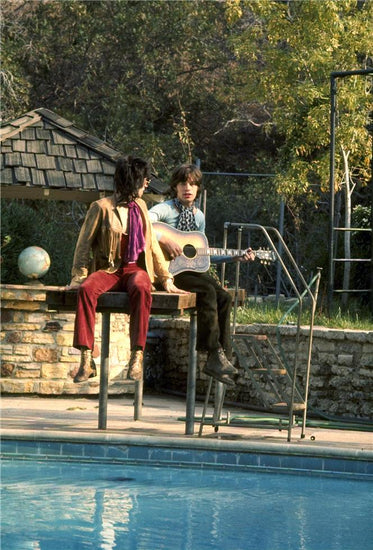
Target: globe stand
x=33, y=282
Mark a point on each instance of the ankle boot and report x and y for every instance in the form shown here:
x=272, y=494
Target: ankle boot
x=228, y=368
x=219, y=367
x=135, y=365
x=87, y=367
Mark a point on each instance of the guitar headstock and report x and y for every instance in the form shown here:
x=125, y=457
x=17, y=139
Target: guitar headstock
x=265, y=256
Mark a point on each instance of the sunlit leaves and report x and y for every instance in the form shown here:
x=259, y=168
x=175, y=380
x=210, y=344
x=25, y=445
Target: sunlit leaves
x=291, y=48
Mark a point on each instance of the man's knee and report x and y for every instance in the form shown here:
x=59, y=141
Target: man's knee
x=142, y=285
x=84, y=289
x=208, y=296
x=225, y=299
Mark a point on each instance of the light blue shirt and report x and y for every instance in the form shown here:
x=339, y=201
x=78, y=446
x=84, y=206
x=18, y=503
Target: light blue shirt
x=167, y=212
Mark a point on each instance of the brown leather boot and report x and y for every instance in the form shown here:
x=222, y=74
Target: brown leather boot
x=228, y=368
x=87, y=367
x=219, y=367
x=135, y=365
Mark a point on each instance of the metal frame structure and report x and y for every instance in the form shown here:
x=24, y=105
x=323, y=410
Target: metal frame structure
x=283, y=254
x=163, y=303
x=332, y=228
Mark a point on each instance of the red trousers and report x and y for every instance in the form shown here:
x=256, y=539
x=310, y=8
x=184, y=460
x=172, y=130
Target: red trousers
x=132, y=279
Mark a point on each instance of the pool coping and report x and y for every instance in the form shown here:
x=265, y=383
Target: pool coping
x=186, y=451
x=188, y=442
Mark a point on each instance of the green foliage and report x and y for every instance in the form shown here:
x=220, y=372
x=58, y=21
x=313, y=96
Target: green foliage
x=139, y=74
x=361, y=216
x=237, y=84
x=290, y=50
x=361, y=246
x=14, y=83
x=46, y=224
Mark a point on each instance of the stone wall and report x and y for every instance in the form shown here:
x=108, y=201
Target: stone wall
x=36, y=346
x=38, y=357
x=341, y=365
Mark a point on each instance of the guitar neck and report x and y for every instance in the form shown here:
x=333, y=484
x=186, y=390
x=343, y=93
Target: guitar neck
x=220, y=252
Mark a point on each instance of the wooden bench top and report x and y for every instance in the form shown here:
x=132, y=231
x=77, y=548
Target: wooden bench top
x=118, y=302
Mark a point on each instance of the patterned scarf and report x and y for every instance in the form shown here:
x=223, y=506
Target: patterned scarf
x=186, y=220
x=136, y=239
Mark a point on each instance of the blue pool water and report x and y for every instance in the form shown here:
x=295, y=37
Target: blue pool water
x=52, y=505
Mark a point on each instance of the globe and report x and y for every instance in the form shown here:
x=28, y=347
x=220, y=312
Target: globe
x=34, y=262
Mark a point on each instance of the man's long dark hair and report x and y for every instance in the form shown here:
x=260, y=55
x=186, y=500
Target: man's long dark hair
x=129, y=176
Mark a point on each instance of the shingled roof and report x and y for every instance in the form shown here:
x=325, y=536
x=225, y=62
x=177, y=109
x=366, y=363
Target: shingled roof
x=45, y=156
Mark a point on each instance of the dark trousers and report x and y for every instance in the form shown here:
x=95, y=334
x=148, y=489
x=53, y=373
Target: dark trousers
x=132, y=279
x=214, y=307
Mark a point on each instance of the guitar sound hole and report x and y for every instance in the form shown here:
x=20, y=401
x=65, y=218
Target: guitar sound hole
x=189, y=251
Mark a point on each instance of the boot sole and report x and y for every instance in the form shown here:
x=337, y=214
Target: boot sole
x=224, y=378
x=92, y=375
x=134, y=379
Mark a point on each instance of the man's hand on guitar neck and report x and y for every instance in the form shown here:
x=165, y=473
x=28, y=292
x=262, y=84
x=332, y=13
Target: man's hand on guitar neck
x=170, y=247
x=249, y=256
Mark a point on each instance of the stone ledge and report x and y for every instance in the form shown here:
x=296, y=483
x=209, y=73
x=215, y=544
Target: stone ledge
x=28, y=292
x=11, y=386
x=285, y=330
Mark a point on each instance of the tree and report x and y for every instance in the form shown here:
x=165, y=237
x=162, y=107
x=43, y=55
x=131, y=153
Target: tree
x=14, y=83
x=290, y=48
x=144, y=76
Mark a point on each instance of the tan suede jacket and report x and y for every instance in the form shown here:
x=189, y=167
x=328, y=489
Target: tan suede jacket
x=98, y=246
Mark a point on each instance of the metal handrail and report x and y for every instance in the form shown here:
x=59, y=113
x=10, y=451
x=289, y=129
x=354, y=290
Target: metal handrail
x=300, y=295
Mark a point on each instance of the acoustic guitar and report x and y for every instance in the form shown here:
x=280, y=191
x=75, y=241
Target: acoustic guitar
x=196, y=251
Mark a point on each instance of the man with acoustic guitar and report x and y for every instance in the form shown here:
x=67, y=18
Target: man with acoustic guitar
x=214, y=304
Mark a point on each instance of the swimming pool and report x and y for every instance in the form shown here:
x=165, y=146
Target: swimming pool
x=68, y=495
x=59, y=505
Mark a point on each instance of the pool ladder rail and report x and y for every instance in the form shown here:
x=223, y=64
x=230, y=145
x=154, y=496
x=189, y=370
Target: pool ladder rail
x=267, y=367
x=279, y=422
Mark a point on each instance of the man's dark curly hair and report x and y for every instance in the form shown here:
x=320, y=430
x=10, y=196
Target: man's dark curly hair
x=129, y=176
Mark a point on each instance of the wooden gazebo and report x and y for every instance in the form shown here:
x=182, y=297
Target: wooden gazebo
x=45, y=156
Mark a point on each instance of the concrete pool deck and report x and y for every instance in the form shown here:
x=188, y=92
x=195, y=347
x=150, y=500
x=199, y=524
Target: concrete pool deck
x=76, y=419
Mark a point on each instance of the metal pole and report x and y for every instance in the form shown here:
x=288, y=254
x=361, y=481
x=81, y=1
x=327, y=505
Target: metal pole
x=139, y=392
x=371, y=224
x=370, y=131
x=308, y=369
x=225, y=240
x=104, y=374
x=278, y=269
x=240, y=174
x=218, y=401
x=192, y=372
x=333, y=93
x=237, y=279
x=201, y=201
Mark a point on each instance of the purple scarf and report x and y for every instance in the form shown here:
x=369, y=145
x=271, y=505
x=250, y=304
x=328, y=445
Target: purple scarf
x=136, y=240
